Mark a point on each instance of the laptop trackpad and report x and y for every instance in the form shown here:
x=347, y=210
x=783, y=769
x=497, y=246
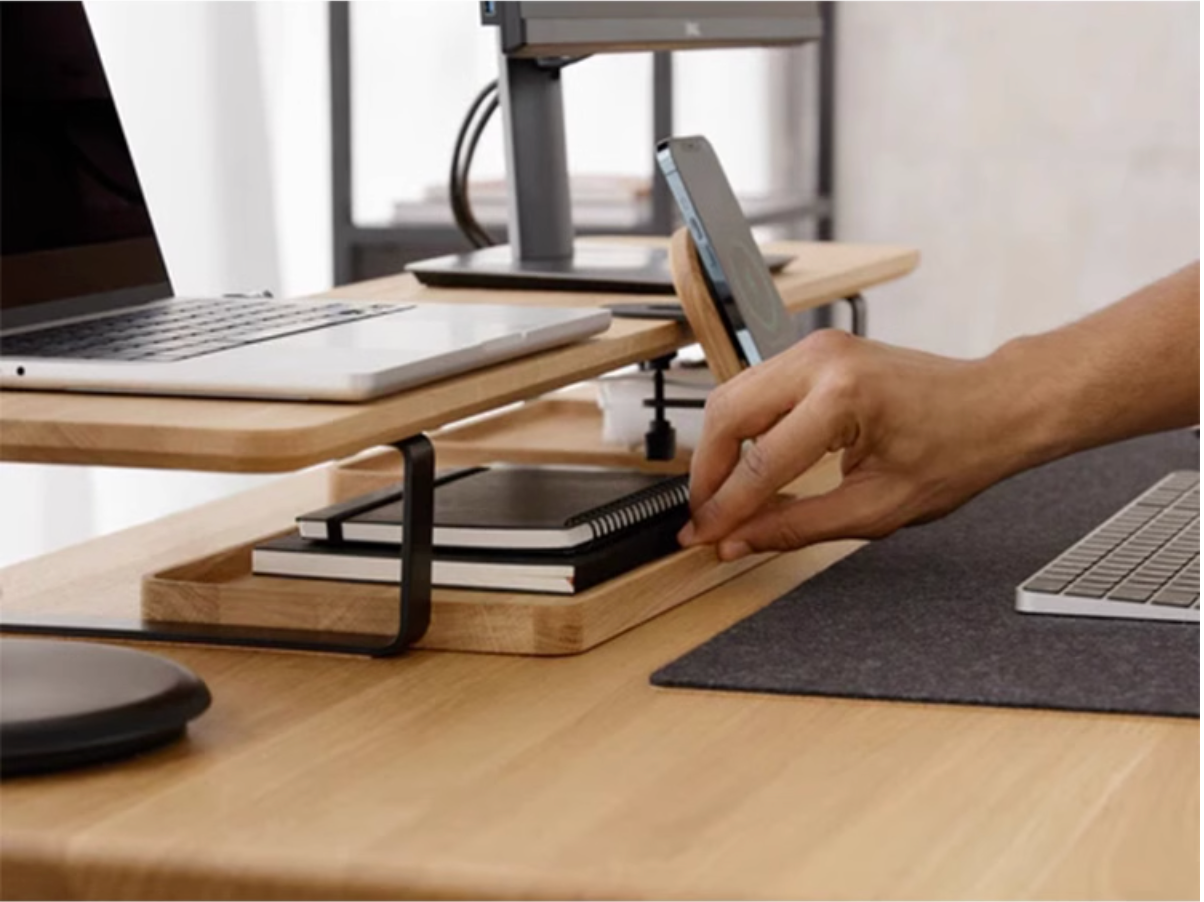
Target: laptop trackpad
x=397, y=332
x=374, y=346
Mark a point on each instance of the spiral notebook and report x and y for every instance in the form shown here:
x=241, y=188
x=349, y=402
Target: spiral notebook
x=511, y=508
x=540, y=570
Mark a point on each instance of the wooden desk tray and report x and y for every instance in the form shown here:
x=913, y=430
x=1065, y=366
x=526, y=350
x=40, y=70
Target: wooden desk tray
x=220, y=588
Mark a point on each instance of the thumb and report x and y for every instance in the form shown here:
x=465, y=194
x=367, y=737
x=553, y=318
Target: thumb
x=860, y=509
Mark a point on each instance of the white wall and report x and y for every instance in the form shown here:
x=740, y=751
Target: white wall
x=293, y=42
x=1044, y=157
x=187, y=81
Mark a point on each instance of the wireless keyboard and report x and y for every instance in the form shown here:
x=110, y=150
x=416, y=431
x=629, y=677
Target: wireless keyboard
x=1143, y=562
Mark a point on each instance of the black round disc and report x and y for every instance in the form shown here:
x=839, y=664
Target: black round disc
x=68, y=704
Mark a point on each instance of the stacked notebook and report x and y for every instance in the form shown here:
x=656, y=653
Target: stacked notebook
x=557, y=530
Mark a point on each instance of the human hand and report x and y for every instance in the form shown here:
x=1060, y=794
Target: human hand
x=921, y=434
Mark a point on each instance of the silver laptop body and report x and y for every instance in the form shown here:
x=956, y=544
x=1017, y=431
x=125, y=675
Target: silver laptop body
x=86, y=303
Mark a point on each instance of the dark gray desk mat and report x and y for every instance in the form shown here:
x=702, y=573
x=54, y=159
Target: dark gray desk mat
x=927, y=614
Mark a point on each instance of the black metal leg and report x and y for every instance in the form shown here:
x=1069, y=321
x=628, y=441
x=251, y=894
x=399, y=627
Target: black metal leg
x=417, y=540
x=414, y=598
x=859, y=313
x=660, y=441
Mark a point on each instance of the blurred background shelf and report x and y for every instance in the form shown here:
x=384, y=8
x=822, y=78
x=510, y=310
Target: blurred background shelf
x=803, y=167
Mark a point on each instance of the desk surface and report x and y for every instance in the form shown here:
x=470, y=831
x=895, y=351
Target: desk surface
x=440, y=774
x=202, y=434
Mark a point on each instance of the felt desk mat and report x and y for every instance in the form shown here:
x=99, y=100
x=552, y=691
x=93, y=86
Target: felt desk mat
x=927, y=614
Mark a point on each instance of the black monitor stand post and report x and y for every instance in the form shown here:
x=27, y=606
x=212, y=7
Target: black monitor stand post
x=542, y=253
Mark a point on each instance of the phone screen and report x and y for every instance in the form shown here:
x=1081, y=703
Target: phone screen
x=740, y=282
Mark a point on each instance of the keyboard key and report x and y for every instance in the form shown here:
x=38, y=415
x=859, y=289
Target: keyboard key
x=1049, y=585
x=1176, y=598
x=1129, y=592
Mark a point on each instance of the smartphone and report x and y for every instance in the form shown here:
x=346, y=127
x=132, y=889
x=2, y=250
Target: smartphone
x=748, y=302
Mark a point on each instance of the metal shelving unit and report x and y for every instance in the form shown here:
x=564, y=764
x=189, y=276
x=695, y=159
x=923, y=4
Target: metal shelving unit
x=363, y=251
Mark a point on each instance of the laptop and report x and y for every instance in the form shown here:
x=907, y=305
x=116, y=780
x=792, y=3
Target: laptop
x=86, y=303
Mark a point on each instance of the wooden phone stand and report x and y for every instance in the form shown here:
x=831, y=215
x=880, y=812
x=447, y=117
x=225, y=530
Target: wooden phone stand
x=691, y=285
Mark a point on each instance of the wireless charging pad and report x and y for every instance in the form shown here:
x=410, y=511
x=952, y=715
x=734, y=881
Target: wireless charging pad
x=70, y=704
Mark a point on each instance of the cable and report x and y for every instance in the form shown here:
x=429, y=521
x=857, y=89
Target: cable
x=469, y=223
x=463, y=216
x=475, y=236
x=462, y=155
x=465, y=203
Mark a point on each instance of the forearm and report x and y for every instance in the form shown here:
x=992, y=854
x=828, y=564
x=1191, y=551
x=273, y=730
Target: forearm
x=1127, y=370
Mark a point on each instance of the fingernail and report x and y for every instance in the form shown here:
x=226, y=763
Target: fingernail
x=686, y=536
x=733, y=551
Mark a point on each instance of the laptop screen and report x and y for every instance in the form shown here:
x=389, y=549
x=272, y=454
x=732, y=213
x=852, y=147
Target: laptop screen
x=75, y=232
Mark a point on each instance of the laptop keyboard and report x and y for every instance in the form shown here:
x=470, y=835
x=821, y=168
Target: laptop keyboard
x=1142, y=562
x=188, y=327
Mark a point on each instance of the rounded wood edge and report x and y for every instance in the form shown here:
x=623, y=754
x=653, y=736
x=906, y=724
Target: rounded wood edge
x=695, y=297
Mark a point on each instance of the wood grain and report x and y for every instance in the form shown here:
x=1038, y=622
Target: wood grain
x=440, y=775
x=265, y=436
x=222, y=589
x=705, y=322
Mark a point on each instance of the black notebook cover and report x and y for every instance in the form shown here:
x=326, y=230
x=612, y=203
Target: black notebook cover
x=554, y=572
x=512, y=507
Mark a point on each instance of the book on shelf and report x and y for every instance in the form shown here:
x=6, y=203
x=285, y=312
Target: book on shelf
x=564, y=572
x=599, y=188
x=511, y=508
x=617, y=201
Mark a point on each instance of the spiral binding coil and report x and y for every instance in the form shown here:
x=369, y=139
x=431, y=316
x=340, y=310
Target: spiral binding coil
x=642, y=506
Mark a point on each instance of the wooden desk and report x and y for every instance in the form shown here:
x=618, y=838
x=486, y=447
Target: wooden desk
x=250, y=436
x=437, y=775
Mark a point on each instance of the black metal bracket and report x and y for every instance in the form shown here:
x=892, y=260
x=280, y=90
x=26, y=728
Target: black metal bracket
x=414, y=597
x=660, y=441
x=417, y=543
x=860, y=314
